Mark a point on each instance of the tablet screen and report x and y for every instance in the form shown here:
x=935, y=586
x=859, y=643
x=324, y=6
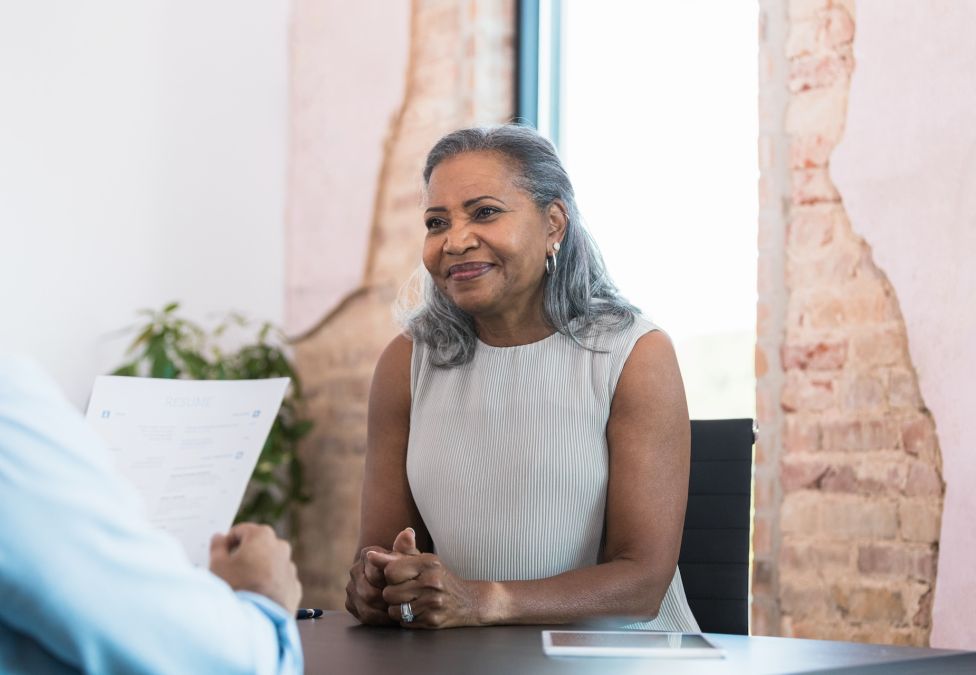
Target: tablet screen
x=628, y=643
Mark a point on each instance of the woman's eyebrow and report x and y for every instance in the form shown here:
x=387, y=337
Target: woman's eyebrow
x=472, y=202
x=467, y=204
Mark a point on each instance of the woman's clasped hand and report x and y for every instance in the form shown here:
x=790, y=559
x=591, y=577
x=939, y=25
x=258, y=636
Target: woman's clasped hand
x=382, y=582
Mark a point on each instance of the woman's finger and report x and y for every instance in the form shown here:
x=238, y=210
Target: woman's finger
x=406, y=542
x=405, y=567
x=370, y=594
x=372, y=571
x=417, y=608
x=408, y=591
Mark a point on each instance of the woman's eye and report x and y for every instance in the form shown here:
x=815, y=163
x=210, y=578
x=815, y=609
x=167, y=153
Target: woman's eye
x=486, y=212
x=435, y=224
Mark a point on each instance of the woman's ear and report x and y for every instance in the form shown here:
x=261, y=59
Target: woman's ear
x=558, y=219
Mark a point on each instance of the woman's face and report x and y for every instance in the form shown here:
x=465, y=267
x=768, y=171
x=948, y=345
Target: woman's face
x=486, y=239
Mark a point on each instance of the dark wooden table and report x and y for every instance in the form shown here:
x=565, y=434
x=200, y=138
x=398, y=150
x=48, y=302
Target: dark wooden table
x=337, y=644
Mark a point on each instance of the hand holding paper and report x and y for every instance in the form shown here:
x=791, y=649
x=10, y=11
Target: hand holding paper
x=188, y=446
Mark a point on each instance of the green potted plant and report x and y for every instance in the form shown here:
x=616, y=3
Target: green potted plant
x=169, y=346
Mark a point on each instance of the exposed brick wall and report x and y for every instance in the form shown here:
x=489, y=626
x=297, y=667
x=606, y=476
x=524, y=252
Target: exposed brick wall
x=460, y=73
x=848, y=477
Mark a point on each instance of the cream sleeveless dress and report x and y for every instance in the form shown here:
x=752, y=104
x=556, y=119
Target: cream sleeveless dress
x=507, y=459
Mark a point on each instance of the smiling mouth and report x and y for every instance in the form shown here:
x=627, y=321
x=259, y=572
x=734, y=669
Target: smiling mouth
x=466, y=271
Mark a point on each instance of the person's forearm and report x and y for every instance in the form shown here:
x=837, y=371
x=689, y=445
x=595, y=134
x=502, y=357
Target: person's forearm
x=621, y=588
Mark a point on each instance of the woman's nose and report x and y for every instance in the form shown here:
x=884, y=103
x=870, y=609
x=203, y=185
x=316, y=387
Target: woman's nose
x=459, y=239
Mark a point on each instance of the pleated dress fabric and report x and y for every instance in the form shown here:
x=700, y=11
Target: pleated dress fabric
x=508, y=462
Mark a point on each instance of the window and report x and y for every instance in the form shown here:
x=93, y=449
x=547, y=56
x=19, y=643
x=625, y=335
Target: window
x=653, y=107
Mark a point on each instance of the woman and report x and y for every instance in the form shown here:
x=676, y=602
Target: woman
x=529, y=431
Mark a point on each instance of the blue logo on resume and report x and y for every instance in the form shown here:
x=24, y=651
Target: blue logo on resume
x=256, y=413
x=106, y=414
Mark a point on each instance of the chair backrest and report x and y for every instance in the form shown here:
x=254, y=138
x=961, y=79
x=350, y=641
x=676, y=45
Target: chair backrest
x=714, y=558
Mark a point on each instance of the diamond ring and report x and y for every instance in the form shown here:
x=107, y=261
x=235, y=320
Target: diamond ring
x=406, y=612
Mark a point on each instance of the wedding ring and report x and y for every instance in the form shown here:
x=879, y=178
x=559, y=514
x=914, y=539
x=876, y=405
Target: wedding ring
x=406, y=612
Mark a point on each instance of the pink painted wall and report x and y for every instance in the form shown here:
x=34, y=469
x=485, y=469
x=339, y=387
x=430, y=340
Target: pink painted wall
x=906, y=170
x=348, y=67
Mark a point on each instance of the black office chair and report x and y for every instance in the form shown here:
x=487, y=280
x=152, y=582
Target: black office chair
x=714, y=558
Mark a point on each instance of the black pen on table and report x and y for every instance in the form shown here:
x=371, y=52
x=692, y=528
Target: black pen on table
x=308, y=613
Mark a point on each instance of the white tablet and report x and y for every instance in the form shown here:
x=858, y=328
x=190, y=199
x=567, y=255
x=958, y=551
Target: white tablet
x=645, y=644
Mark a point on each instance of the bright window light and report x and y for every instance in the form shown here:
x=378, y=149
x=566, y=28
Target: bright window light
x=658, y=128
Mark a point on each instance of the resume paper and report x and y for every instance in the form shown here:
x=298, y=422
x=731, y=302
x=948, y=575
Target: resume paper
x=188, y=446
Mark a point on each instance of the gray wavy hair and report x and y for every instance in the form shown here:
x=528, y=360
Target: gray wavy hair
x=578, y=297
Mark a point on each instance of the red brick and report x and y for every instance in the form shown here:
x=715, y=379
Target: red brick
x=870, y=604
x=820, y=70
x=801, y=475
x=763, y=573
x=803, y=38
x=763, y=618
x=807, y=392
x=801, y=434
x=811, y=228
x=800, y=513
x=903, y=389
x=923, y=564
x=874, y=476
x=818, y=112
x=918, y=436
x=923, y=481
x=923, y=616
x=868, y=303
x=807, y=152
x=814, y=556
x=821, y=355
x=805, y=9
x=762, y=366
x=789, y=629
x=863, y=392
x=837, y=267
x=897, y=561
x=873, y=347
x=839, y=479
x=820, y=312
x=850, y=517
x=822, y=31
x=838, y=27
x=860, y=434
x=813, y=186
x=802, y=600
x=919, y=520
x=762, y=536
x=874, y=559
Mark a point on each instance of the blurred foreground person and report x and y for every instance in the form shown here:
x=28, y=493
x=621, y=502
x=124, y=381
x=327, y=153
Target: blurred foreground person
x=89, y=586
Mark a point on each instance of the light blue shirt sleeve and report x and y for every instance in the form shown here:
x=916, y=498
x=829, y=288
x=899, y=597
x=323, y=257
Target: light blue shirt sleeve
x=86, y=583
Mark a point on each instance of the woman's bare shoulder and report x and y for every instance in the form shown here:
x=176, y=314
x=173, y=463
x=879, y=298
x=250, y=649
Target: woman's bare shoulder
x=397, y=354
x=393, y=370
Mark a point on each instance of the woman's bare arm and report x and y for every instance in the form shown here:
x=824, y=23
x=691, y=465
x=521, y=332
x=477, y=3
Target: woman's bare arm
x=387, y=504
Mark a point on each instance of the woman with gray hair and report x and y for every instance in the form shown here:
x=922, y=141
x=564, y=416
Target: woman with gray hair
x=528, y=437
